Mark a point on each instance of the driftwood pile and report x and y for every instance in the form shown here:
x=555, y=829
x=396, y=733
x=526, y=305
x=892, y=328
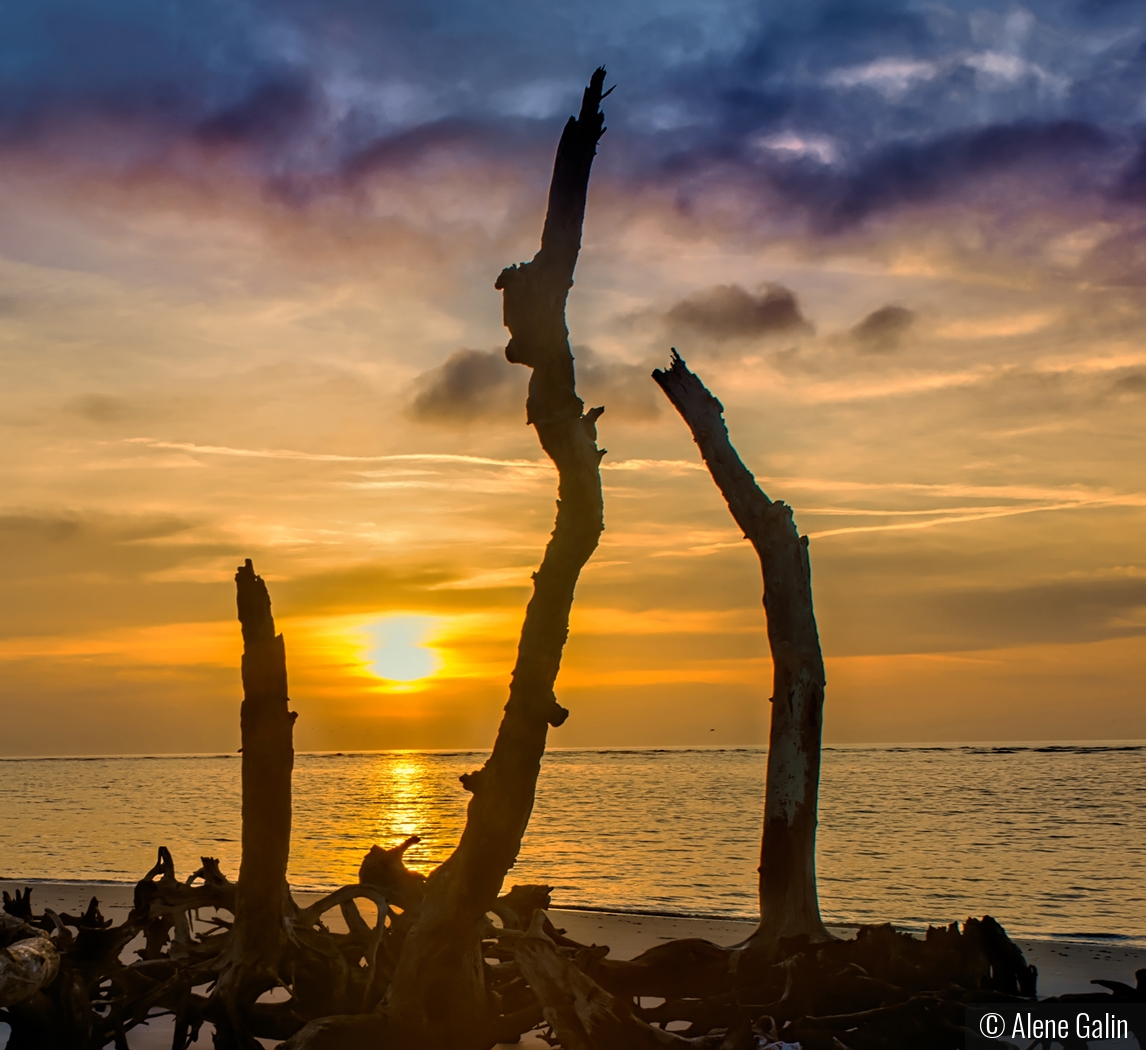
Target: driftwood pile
x=90, y=997
x=70, y=982
x=64, y=984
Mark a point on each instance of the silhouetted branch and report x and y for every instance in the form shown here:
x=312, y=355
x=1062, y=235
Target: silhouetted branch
x=438, y=997
x=788, y=902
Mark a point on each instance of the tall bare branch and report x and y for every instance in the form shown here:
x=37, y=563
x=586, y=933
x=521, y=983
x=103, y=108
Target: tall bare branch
x=438, y=990
x=788, y=901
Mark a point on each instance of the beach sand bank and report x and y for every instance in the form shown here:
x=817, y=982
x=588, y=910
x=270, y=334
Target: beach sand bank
x=1064, y=965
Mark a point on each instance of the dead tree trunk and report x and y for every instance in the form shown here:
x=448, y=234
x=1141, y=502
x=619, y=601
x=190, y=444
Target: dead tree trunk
x=259, y=936
x=788, y=902
x=437, y=997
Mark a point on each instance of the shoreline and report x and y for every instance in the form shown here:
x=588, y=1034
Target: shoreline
x=1133, y=942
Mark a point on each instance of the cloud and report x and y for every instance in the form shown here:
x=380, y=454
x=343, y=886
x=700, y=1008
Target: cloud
x=271, y=110
x=1132, y=184
x=28, y=528
x=911, y=601
x=1066, y=611
x=334, y=457
x=1132, y=383
x=954, y=516
x=882, y=331
x=1120, y=259
x=891, y=77
x=726, y=312
x=50, y=530
x=64, y=572
x=1003, y=70
x=846, y=109
x=102, y=408
x=376, y=586
x=470, y=385
x=479, y=385
x=920, y=170
x=792, y=145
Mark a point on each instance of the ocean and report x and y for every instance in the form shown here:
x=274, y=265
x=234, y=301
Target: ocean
x=1048, y=838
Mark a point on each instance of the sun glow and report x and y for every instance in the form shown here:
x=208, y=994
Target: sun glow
x=398, y=651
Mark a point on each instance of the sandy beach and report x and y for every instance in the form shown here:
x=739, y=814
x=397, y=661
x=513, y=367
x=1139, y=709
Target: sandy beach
x=1064, y=965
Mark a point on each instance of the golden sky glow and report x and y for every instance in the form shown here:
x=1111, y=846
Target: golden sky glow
x=970, y=499
x=197, y=370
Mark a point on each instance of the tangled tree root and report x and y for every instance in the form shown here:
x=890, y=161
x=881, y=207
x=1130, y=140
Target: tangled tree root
x=96, y=997
x=63, y=983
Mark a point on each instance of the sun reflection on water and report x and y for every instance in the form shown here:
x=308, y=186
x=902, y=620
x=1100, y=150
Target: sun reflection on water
x=402, y=783
x=1055, y=845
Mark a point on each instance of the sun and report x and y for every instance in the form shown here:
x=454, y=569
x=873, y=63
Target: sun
x=398, y=651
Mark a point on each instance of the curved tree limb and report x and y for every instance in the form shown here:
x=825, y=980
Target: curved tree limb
x=438, y=990
x=309, y=915
x=788, y=902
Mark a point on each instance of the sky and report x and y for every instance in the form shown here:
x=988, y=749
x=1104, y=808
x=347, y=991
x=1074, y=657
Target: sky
x=247, y=254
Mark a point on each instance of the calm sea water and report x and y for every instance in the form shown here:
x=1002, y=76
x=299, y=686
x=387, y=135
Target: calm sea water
x=1049, y=839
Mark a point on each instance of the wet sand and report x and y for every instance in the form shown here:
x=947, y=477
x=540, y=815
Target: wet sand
x=1064, y=966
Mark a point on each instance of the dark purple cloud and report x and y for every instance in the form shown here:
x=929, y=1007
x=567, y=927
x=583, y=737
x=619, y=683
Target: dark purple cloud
x=844, y=109
x=908, y=173
x=270, y=111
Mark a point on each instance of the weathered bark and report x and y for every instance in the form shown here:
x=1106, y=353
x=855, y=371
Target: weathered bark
x=259, y=935
x=28, y=961
x=582, y=1014
x=438, y=993
x=788, y=902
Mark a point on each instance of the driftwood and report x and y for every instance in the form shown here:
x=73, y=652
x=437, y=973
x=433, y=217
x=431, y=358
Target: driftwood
x=259, y=935
x=788, y=903
x=28, y=960
x=882, y=989
x=336, y=980
x=438, y=998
